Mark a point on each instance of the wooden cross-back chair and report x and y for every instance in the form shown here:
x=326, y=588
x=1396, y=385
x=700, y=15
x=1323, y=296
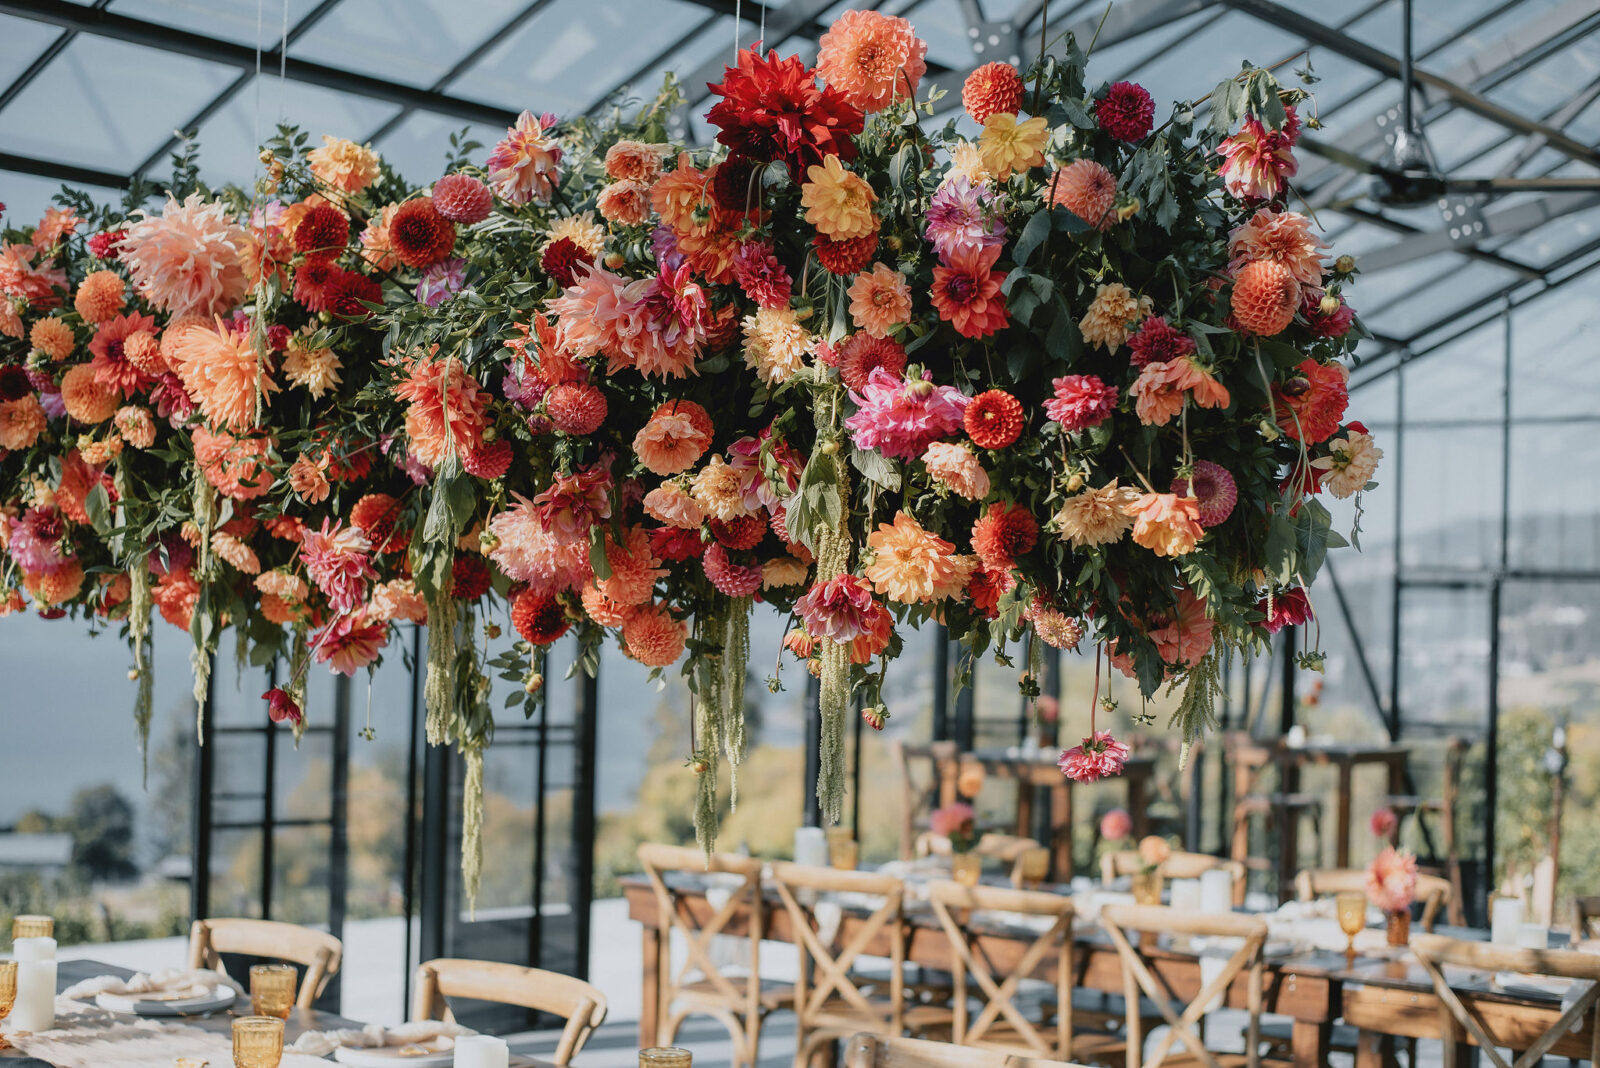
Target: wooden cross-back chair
x=920, y=793
x=740, y=1003
x=1001, y=1024
x=1176, y=866
x=318, y=952
x=829, y=1002
x=1434, y=892
x=1434, y=952
x=581, y=1005
x=1137, y=978
x=1585, y=918
x=1448, y=860
x=875, y=1051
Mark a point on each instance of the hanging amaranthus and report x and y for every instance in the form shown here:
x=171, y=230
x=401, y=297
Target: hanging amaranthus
x=735, y=666
x=472, y=823
x=438, y=691
x=139, y=634
x=203, y=628
x=705, y=706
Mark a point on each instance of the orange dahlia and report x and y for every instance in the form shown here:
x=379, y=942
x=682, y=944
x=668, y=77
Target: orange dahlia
x=651, y=636
x=58, y=586
x=873, y=59
x=99, y=297
x=236, y=466
x=1003, y=533
x=990, y=90
x=344, y=164
x=1265, y=297
x=141, y=349
x=880, y=300
x=1309, y=406
x=993, y=419
x=1086, y=189
x=675, y=436
x=223, y=373
x=52, y=337
x=1165, y=523
x=86, y=399
x=912, y=565
x=21, y=422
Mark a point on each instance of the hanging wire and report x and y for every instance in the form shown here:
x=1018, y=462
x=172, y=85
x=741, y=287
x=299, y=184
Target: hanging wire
x=283, y=61
x=738, y=24
x=256, y=142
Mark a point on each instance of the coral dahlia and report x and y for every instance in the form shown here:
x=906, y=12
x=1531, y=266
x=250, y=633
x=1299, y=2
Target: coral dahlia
x=992, y=89
x=576, y=408
x=1003, y=533
x=461, y=198
x=1080, y=402
x=993, y=419
x=1086, y=189
x=966, y=292
x=539, y=617
x=873, y=59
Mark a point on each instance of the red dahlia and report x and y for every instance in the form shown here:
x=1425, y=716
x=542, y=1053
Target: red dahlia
x=562, y=259
x=846, y=257
x=1003, y=533
x=312, y=283
x=1126, y=112
x=488, y=461
x=469, y=577
x=575, y=408
x=375, y=515
x=349, y=292
x=538, y=617
x=861, y=354
x=772, y=109
x=994, y=419
x=322, y=233
x=736, y=186
x=1157, y=342
x=103, y=246
x=461, y=198
x=741, y=532
x=420, y=235
x=674, y=544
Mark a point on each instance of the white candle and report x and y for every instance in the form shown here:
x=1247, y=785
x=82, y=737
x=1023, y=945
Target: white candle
x=1216, y=891
x=1505, y=917
x=482, y=1051
x=1186, y=895
x=1533, y=936
x=811, y=846
x=35, y=1007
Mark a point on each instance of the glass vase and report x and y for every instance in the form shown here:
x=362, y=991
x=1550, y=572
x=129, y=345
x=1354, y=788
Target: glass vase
x=1399, y=927
x=966, y=868
x=1147, y=887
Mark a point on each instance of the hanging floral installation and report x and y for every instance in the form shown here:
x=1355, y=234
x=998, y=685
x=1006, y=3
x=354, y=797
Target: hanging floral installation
x=1050, y=374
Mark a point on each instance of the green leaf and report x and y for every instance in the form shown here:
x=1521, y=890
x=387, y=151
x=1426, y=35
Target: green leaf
x=98, y=505
x=1033, y=233
x=597, y=554
x=875, y=467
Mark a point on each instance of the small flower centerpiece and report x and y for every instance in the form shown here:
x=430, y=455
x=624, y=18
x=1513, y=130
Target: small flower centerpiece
x=1153, y=852
x=1392, y=886
x=956, y=823
x=1046, y=717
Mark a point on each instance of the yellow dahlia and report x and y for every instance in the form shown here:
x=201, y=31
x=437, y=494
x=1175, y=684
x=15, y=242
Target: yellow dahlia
x=1112, y=315
x=1009, y=147
x=838, y=202
x=582, y=229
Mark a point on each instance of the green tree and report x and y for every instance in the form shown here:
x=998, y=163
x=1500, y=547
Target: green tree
x=100, y=821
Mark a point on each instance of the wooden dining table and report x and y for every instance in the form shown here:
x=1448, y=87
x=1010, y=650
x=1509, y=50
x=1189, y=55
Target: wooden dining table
x=1037, y=768
x=1345, y=757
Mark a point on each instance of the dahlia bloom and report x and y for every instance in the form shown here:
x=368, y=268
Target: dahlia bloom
x=1096, y=516
x=1286, y=608
x=633, y=161
x=880, y=300
x=838, y=202
x=99, y=296
x=966, y=292
x=189, y=260
x=625, y=203
x=349, y=642
x=1054, y=627
x=1160, y=389
x=1213, y=488
x=1080, y=402
x=376, y=246
x=1392, y=880
x=282, y=708
x=35, y=540
x=872, y=59
x=112, y=365
x=236, y=466
x=57, y=223
x=1383, y=822
x=719, y=487
x=223, y=374
x=1280, y=236
x=1003, y=533
x=1096, y=757
x=85, y=398
x=529, y=552
x=991, y=89
x=20, y=277
x=1086, y=189
x=442, y=281
x=772, y=109
x=1310, y=406
x=731, y=578
x=955, y=467
x=1116, y=825
x=1187, y=638
x=1257, y=162
x=674, y=438
x=314, y=370
x=912, y=565
x=445, y=407
x=775, y=344
x=953, y=821
x=673, y=505
x=994, y=419
x=655, y=325
x=1350, y=464
x=1164, y=523
x=761, y=276
x=21, y=422
x=964, y=216
x=860, y=354
x=526, y=164
x=841, y=609
x=634, y=568
x=1112, y=315
x=653, y=637
x=343, y=164
x=901, y=419
x=1126, y=112
x=1158, y=342
x=336, y=561
x=1010, y=147
x=574, y=504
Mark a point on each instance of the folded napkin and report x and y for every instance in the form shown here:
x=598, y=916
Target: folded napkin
x=376, y=1036
x=189, y=982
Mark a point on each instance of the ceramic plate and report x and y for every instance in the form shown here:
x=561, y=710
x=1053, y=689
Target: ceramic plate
x=220, y=998
x=390, y=1056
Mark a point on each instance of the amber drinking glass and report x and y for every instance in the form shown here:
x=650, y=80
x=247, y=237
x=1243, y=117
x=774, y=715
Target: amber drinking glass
x=1352, y=909
x=8, y=994
x=272, y=989
x=665, y=1057
x=1033, y=866
x=257, y=1042
x=966, y=868
x=844, y=854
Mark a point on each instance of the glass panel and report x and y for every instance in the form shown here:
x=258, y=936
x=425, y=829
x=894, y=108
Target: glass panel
x=1460, y=380
x=303, y=783
x=1555, y=503
x=414, y=43
x=25, y=41
x=63, y=115
x=1452, y=498
x=300, y=873
x=236, y=873
x=1550, y=348
x=230, y=20
x=416, y=147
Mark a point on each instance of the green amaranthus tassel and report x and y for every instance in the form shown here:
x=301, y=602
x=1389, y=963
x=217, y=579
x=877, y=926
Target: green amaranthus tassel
x=834, y=684
x=438, y=691
x=139, y=631
x=705, y=711
x=735, y=666
x=472, y=825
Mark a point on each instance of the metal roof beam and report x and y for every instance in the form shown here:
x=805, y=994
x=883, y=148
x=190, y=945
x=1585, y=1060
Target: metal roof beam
x=65, y=172
x=1379, y=219
x=81, y=19
x=1518, y=219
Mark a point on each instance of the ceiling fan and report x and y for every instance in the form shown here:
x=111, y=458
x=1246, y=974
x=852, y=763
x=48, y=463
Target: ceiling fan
x=1408, y=174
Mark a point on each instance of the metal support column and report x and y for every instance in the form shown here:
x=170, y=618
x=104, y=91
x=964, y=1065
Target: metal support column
x=810, y=807
x=586, y=723
x=941, y=683
x=205, y=767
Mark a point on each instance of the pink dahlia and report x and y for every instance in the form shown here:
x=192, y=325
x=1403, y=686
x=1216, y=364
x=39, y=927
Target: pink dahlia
x=336, y=561
x=1392, y=880
x=526, y=164
x=840, y=609
x=281, y=707
x=1213, y=487
x=732, y=579
x=902, y=418
x=1116, y=825
x=963, y=216
x=1081, y=401
x=350, y=642
x=189, y=260
x=1257, y=162
x=1096, y=757
x=35, y=541
x=761, y=276
x=871, y=58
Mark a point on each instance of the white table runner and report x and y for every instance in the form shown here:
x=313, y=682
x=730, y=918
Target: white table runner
x=89, y=1037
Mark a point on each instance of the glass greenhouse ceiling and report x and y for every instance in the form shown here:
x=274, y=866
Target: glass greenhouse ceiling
x=94, y=92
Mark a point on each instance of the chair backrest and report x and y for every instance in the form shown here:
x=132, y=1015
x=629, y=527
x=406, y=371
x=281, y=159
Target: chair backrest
x=953, y=905
x=824, y=972
x=317, y=951
x=1585, y=918
x=878, y=1051
x=741, y=992
x=1250, y=931
x=1176, y=866
x=581, y=1005
x=1310, y=884
x=1436, y=951
x=919, y=793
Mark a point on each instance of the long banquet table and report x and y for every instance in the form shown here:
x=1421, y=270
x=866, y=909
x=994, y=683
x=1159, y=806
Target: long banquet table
x=1385, y=999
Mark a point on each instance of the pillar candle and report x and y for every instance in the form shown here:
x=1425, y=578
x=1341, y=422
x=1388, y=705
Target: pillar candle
x=35, y=1008
x=1505, y=917
x=482, y=1051
x=1186, y=895
x=1216, y=891
x=811, y=846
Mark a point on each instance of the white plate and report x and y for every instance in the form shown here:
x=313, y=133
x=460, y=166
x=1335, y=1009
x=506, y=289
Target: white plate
x=390, y=1056
x=220, y=998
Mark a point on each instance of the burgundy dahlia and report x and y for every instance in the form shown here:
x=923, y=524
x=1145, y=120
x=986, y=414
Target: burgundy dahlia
x=1126, y=112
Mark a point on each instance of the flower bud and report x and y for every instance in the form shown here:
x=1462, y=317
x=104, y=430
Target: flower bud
x=534, y=683
x=920, y=388
x=614, y=261
x=488, y=541
x=1344, y=264
x=1075, y=483
x=1329, y=304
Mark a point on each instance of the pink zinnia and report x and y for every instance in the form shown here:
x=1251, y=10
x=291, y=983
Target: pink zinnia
x=1392, y=880
x=350, y=642
x=1157, y=342
x=902, y=418
x=1081, y=401
x=1097, y=757
x=840, y=609
x=336, y=560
